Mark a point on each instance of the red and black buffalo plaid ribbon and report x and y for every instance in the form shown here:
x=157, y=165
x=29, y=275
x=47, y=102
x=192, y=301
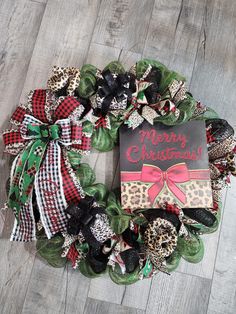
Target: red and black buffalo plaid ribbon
x=55, y=183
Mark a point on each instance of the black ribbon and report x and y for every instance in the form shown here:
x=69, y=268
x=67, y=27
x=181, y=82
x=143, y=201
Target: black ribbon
x=110, y=87
x=82, y=217
x=130, y=257
x=152, y=92
x=97, y=259
x=201, y=215
x=220, y=129
x=151, y=214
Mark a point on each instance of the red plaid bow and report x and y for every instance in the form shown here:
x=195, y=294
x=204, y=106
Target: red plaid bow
x=55, y=183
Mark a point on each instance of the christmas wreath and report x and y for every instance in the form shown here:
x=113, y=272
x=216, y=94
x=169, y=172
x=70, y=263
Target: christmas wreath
x=55, y=197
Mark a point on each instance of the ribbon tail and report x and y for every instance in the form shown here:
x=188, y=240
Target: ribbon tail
x=149, y=114
x=176, y=191
x=154, y=190
x=49, y=192
x=89, y=237
x=24, y=175
x=13, y=141
x=134, y=120
x=25, y=229
x=71, y=186
x=12, y=174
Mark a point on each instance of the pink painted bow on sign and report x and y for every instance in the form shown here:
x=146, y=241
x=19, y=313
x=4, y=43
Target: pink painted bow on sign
x=173, y=175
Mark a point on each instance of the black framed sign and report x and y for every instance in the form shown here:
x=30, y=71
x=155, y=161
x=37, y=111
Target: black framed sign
x=165, y=164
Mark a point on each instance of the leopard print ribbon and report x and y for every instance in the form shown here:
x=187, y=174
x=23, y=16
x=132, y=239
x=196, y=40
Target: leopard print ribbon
x=64, y=78
x=160, y=238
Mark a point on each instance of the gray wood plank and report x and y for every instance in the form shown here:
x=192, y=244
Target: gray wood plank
x=100, y=55
x=101, y=307
x=55, y=290
x=213, y=79
x=123, y=24
x=19, y=25
x=63, y=40
x=16, y=265
x=102, y=288
x=136, y=295
x=174, y=33
x=223, y=291
x=178, y=293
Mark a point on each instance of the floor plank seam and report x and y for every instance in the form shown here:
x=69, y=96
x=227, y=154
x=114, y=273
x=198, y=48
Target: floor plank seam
x=66, y=293
x=149, y=292
x=45, y=5
x=123, y=296
x=26, y=290
x=204, y=18
x=192, y=275
x=145, y=42
x=179, y=15
x=220, y=235
x=94, y=26
x=39, y=2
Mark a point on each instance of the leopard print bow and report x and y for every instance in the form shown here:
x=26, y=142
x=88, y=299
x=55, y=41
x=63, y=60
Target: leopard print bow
x=65, y=80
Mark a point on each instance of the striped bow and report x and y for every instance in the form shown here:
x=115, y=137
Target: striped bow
x=47, y=129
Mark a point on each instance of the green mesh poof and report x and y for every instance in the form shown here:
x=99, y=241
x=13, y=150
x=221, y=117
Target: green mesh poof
x=172, y=262
x=191, y=249
x=88, y=81
x=167, y=75
x=98, y=190
x=115, y=67
x=74, y=159
x=102, y=141
x=87, y=271
x=51, y=249
x=123, y=279
x=85, y=175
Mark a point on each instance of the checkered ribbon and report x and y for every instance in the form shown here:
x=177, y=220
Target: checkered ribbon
x=47, y=128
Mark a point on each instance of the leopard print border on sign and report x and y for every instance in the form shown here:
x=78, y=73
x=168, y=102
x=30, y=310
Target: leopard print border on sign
x=134, y=195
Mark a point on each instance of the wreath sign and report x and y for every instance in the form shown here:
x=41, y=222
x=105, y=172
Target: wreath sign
x=54, y=196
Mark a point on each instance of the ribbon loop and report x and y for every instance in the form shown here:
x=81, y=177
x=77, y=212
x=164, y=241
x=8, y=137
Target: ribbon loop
x=42, y=164
x=174, y=174
x=82, y=217
x=113, y=92
x=44, y=131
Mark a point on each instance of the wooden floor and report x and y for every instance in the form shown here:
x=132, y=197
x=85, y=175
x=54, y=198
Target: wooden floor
x=194, y=37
